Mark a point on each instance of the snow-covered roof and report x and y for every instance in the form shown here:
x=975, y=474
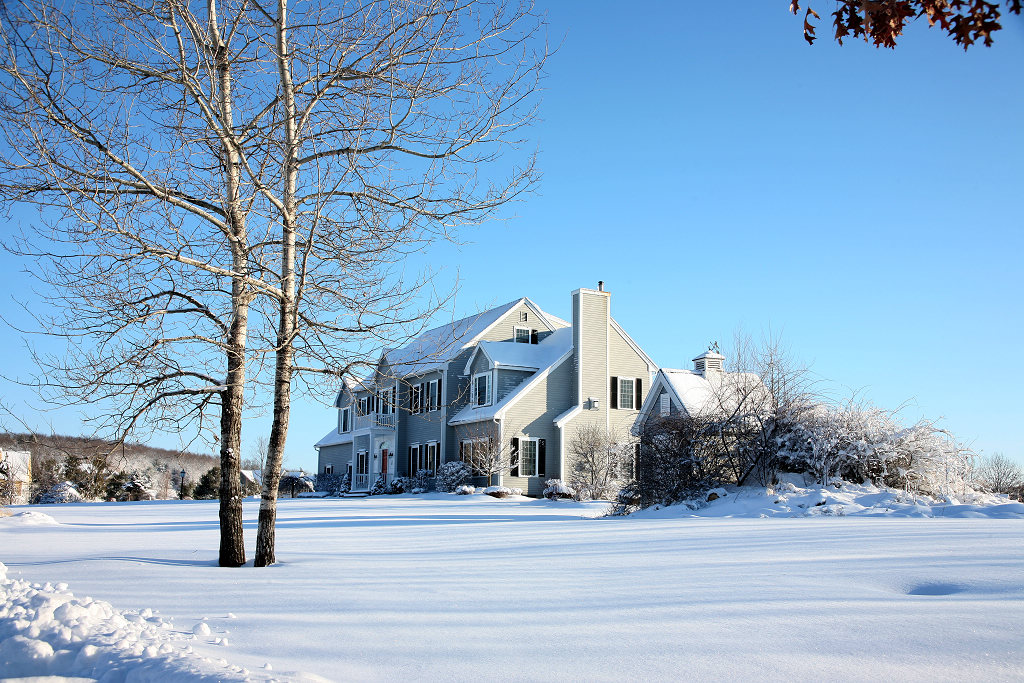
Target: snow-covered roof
x=541, y=357
x=20, y=464
x=516, y=355
x=333, y=438
x=701, y=393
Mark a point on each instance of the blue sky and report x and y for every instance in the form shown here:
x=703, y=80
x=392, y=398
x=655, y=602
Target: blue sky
x=719, y=174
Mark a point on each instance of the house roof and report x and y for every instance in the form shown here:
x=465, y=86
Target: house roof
x=698, y=393
x=541, y=358
x=333, y=438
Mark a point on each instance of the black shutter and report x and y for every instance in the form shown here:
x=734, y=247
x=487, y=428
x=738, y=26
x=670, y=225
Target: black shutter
x=615, y=393
x=638, y=390
x=440, y=399
x=541, y=457
x=515, y=457
x=533, y=336
x=411, y=463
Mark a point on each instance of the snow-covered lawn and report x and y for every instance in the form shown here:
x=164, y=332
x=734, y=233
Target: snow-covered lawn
x=469, y=587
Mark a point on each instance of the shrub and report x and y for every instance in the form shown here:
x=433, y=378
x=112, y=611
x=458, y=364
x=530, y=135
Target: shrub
x=556, y=488
x=208, y=487
x=397, y=485
x=465, y=490
x=502, y=491
x=329, y=483
x=421, y=480
x=64, y=492
x=378, y=488
x=451, y=475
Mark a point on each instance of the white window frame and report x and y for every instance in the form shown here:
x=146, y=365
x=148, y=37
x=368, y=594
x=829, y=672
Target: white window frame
x=345, y=416
x=515, y=334
x=363, y=405
x=632, y=393
x=433, y=399
x=359, y=460
x=488, y=389
x=522, y=456
x=416, y=398
x=665, y=405
x=329, y=468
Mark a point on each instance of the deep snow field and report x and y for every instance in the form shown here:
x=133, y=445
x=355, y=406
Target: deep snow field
x=442, y=587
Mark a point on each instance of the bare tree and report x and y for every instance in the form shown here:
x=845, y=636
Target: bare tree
x=231, y=180
x=999, y=473
x=483, y=449
x=598, y=465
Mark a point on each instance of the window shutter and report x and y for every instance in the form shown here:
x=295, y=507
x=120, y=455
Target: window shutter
x=541, y=457
x=533, y=336
x=440, y=396
x=412, y=464
x=615, y=393
x=636, y=394
x=515, y=457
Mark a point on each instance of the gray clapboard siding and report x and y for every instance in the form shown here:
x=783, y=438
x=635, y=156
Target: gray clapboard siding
x=338, y=455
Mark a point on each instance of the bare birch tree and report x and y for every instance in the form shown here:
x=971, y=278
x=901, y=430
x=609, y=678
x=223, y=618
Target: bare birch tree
x=225, y=180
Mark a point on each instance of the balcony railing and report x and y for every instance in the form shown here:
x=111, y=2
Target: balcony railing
x=380, y=420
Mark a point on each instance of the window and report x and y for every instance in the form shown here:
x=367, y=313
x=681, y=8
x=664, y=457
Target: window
x=528, y=458
x=416, y=398
x=625, y=392
x=433, y=395
x=363, y=462
x=666, y=405
x=476, y=453
x=363, y=406
x=345, y=420
x=328, y=469
x=424, y=457
x=482, y=389
x=524, y=316
x=524, y=335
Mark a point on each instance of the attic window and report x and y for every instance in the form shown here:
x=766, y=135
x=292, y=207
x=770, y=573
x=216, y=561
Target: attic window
x=524, y=316
x=665, y=407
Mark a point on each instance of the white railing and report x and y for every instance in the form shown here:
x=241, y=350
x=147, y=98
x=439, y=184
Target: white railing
x=360, y=482
x=375, y=420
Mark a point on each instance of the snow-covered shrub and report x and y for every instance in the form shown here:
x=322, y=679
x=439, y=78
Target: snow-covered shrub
x=294, y=484
x=328, y=483
x=451, y=475
x=502, y=491
x=64, y=492
x=346, y=484
x=130, y=485
x=556, y=488
x=421, y=480
x=465, y=490
x=379, y=488
x=398, y=485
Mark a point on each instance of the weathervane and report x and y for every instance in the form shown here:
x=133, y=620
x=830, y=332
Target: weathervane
x=713, y=346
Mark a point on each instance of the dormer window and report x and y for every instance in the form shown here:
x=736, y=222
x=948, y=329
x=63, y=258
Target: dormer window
x=482, y=389
x=525, y=335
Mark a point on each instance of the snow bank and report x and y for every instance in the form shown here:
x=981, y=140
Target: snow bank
x=46, y=631
x=841, y=499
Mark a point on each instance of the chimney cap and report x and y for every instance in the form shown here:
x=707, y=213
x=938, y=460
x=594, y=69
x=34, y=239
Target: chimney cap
x=600, y=285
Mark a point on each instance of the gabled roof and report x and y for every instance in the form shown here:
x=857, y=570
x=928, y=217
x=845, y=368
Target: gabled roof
x=432, y=349
x=519, y=356
x=696, y=394
x=542, y=357
x=332, y=438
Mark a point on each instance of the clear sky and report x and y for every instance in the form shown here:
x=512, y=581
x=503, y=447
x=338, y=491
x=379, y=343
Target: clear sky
x=719, y=174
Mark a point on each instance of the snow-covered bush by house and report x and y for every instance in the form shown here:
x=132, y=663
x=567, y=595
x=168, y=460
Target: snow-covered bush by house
x=64, y=492
x=465, y=490
x=683, y=456
x=379, y=488
x=421, y=480
x=451, y=475
x=502, y=491
x=329, y=483
x=556, y=488
x=398, y=485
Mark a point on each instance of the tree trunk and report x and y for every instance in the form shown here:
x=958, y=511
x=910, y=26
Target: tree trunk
x=266, y=533
x=232, y=538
